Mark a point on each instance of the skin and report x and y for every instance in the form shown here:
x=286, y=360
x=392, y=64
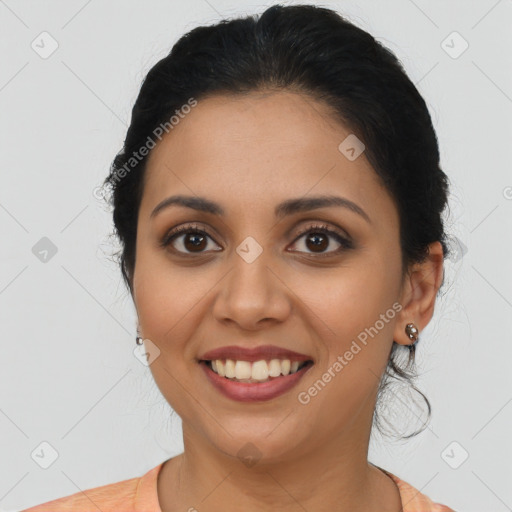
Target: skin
x=249, y=154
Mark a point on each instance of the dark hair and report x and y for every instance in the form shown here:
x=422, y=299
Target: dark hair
x=314, y=51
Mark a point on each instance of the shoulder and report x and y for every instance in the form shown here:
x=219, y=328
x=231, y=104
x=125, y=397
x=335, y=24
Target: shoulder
x=106, y=497
x=415, y=501
x=124, y=495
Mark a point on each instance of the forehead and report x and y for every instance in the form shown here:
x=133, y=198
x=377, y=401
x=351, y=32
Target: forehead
x=259, y=149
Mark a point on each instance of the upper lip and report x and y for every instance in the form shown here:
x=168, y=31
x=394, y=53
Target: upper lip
x=265, y=352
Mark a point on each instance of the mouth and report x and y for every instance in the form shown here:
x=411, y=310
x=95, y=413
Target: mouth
x=250, y=381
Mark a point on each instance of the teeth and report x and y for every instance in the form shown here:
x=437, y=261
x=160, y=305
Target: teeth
x=229, y=369
x=259, y=370
x=256, y=371
x=221, y=368
x=274, y=368
x=242, y=370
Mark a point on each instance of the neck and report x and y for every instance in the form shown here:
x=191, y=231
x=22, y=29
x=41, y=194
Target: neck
x=328, y=476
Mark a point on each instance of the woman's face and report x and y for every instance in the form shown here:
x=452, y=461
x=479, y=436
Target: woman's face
x=260, y=279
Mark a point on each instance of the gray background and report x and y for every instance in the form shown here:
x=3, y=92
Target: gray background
x=69, y=376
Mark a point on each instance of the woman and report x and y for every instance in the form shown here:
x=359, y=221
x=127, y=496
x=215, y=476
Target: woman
x=279, y=202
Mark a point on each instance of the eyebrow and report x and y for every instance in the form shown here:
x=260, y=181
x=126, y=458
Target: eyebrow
x=288, y=207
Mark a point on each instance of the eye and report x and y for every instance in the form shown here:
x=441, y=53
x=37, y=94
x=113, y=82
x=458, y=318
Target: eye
x=318, y=240
x=190, y=239
x=187, y=239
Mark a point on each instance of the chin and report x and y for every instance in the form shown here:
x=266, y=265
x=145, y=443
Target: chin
x=257, y=448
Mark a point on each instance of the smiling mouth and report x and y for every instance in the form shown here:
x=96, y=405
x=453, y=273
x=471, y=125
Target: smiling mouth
x=257, y=371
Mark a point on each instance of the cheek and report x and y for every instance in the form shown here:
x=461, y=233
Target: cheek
x=168, y=299
x=169, y=305
x=357, y=309
x=356, y=304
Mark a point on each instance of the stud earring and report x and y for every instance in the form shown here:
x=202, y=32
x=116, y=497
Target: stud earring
x=412, y=331
x=138, y=338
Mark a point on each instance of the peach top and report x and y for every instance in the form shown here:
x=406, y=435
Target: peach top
x=139, y=494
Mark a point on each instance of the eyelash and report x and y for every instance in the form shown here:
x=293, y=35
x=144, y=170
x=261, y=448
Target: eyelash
x=344, y=242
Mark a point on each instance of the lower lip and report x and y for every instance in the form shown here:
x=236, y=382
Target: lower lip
x=254, y=391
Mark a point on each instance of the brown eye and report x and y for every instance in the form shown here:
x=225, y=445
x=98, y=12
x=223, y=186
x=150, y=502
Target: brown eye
x=194, y=241
x=317, y=241
x=186, y=240
x=318, y=238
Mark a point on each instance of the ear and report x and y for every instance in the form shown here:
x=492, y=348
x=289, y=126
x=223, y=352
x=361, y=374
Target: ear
x=419, y=291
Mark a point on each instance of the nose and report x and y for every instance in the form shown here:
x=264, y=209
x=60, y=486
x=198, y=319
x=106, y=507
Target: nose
x=252, y=295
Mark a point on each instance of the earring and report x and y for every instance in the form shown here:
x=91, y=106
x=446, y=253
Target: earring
x=412, y=331
x=138, y=339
